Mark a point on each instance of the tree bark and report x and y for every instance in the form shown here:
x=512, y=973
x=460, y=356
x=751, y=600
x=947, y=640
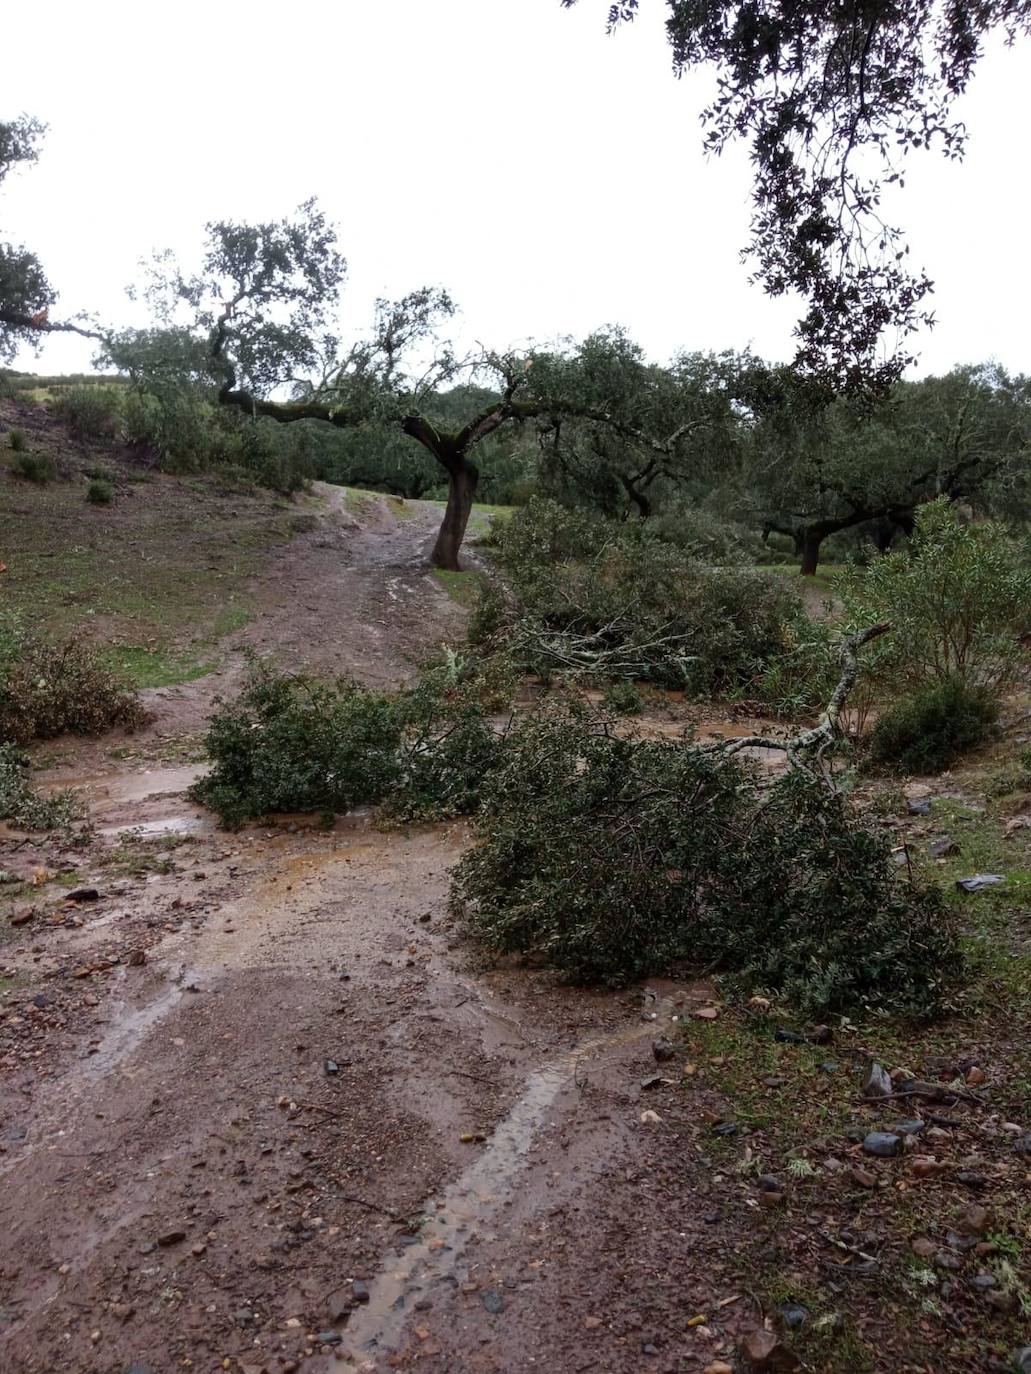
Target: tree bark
x=462, y=480
x=811, y=541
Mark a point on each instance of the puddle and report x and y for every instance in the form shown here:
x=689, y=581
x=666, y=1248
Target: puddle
x=164, y=825
x=377, y=1328
x=129, y=787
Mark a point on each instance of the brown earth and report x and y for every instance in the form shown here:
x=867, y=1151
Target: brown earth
x=261, y=1109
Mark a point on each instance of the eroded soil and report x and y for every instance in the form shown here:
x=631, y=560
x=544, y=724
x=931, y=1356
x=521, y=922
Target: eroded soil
x=261, y=1108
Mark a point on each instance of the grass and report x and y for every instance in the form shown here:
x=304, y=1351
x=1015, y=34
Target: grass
x=824, y=579
x=905, y=1315
x=463, y=587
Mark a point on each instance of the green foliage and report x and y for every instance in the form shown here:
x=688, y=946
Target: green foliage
x=609, y=599
x=957, y=600
x=91, y=412
x=706, y=536
x=640, y=854
x=289, y=743
x=17, y=441
x=33, y=467
x=22, y=807
x=50, y=688
x=623, y=699
x=100, y=492
x=928, y=731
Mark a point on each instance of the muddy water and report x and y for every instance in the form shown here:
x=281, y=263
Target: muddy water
x=470, y=1204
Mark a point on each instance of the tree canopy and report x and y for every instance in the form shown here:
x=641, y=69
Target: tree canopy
x=830, y=96
x=25, y=292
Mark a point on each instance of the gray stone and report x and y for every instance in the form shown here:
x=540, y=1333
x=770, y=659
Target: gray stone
x=793, y=1315
x=492, y=1301
x=360, y=1290
x=882, y=1144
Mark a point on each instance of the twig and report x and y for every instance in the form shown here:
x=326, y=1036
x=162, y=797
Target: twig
x=479, y=1078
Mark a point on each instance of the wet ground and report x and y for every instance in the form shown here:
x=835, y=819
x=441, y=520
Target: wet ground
x=260, y=1109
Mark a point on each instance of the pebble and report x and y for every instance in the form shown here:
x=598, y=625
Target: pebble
x=877, y=1083
x=973, y=1220
x=173, y=1237
x=360, y=1290
x=663, y=1048
x=794, y=1315
x=882, y=1144
x=863, y=1177
x=492, y=1301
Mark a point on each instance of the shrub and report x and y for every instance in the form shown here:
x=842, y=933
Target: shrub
x=34, y=467
x=623, y=699
x=290, y=743
x=928, y=731
x=612, y=858
x=707, y=536
x=91, y=412
x=611, y=600
x=99, y=492
x=17, y=441
x=22, y=807
x=51, y=688
x=957, y=599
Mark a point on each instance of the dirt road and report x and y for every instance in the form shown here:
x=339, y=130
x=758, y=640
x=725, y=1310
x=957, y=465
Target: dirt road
x=260, y=1109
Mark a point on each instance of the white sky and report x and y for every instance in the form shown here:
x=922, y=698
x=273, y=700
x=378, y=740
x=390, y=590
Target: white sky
x=550, y=177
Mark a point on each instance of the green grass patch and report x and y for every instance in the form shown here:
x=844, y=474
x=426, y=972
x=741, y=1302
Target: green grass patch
x=463, y=587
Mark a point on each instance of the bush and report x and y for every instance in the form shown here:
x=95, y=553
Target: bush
x=91, y=412
x=610, y=600
x=51, y=688
x=99, y=492
x=34, y=467
x=957, y=600
x=623, y=699
x=290, y=743
x=928, y=731
x=17, y=441
x=612, y=858
x=22, y=807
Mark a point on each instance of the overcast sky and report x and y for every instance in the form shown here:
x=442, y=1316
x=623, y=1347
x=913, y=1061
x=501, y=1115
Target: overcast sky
x=550, y=177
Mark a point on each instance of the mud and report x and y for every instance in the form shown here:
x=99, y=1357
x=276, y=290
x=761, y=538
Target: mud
x=261, y=1067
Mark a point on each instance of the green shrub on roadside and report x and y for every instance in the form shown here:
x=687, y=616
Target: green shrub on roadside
x=50, y=688
x=612, y=858
x=927, y=731
x=33, y=467
x=99, y=492
x=957, y=599
x=16, y=441
x=22, y=808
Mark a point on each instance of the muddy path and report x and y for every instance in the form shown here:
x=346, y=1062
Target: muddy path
x=261, y=1109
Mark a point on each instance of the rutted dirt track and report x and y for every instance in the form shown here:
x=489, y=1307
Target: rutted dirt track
x=260, y=1110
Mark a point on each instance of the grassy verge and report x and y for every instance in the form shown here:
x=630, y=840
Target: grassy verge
x=874, y=1250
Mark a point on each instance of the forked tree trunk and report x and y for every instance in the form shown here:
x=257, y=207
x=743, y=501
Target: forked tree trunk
x=461, y=489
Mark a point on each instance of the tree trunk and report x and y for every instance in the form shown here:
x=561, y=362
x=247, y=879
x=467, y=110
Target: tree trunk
x=811, y=541
x=462, y=481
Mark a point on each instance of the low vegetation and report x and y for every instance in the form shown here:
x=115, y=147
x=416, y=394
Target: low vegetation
x=51, y=687
x=23, y=808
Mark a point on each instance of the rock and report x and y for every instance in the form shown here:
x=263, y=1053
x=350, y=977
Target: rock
x=979, y=881
x=592, y=1323
x=974, y=1076
x=970, y=1179
x=922, y=1246
x=877, y=1083
x=331, y=1066
x=909, y=1127
x=173, y=1237
x=654, y=1080
x=882, y=1143
x=984, y=1282
x=136, y=958
x=83, y=894
x=22, y=916
x=828, y=1066
x=717, y=1367
x=328, y=1338
x=769, y=1184
x=492, y=1301
x=663, y=1049
x=648, y=1349
x=943, y=849
x=916, y=791
x=759, y=1003
x=360, y=1291
x=863, y=1177
x=764, y=1350
x=793, y=1315
x=973, y=1220
x=820, y=1035
x=768, y=1199
x=1022, y=1144
x=705, y=1013
x=945, y=1259
x=338, y=1306
x=774, y=1082
x=243, y=1316
x=925, y=1165
x=650, y=1118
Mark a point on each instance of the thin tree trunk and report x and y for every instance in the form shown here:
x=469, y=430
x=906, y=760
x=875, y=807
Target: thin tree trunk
x=462, y=481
